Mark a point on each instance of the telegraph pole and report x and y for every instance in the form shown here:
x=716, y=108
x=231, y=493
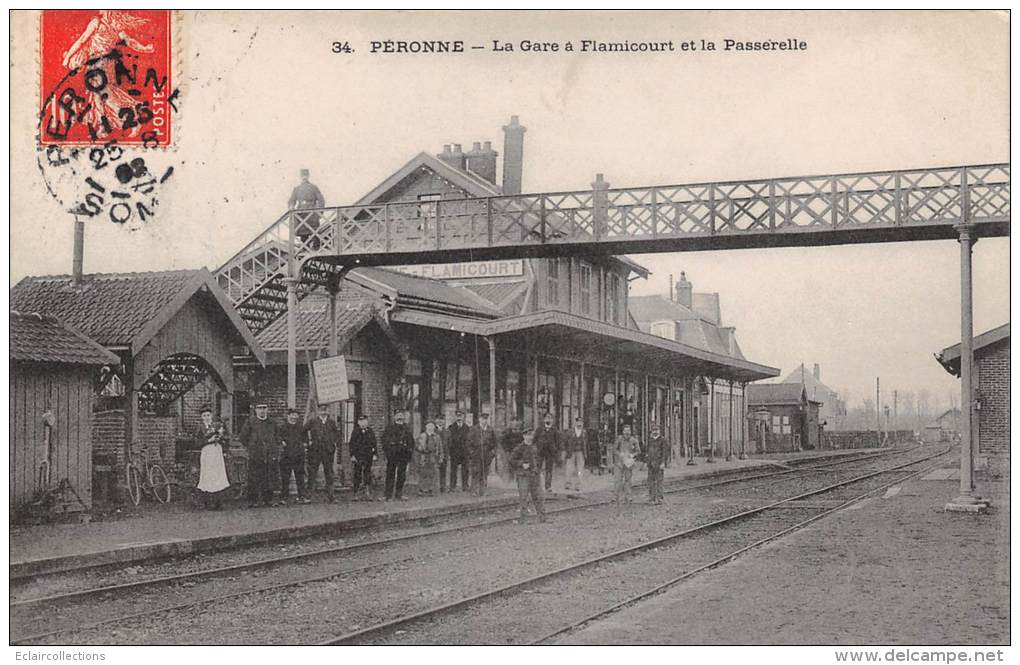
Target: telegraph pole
x=878, y=409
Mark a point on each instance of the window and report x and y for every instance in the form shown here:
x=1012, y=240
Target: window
x=428, y=208
x=584, y=272
x=612, y=297
x=777, y=424
x=553, y=282
x=664, y=329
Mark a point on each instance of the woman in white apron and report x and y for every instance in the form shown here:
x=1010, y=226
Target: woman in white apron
x=212, y=477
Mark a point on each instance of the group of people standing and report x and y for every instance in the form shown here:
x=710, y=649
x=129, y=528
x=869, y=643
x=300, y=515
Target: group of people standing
x=443, y=456
x=292, y=449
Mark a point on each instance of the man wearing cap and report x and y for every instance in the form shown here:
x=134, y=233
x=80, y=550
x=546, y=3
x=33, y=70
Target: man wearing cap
x=292, y=458
x=457, y=436
x=655, y=457
x=397, y=444
x=481, y=445
x=306, y=196
x=260, y=438
x=547, y=442
x=575, y=442
x=212, y=475
x=363, y=453
x=323, y=437
x=525, y=462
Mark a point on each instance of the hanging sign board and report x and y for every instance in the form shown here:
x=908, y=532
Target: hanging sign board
x=331, y=380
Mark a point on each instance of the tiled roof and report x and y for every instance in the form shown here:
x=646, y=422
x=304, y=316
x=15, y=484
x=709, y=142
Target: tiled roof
x=692, y=328
x=422, y=291
x=109, y=308
x=816, y=390
x=313, y=324
x=498, y=292
x=774, y=393
x=38, y=338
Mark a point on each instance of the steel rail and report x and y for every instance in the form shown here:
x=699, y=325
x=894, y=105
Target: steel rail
x=326, y=576
x=381, y=542
x=726, y=558
x=354, y=636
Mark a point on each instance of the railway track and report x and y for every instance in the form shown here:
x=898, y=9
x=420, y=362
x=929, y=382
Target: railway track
x=381, y=632
x=108, y=591
x=672, y=488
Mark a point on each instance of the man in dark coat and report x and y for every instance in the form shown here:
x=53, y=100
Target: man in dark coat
x=306, y=196
x=363, y=453
x=524, y=460
x=547, y=442
x=397, y=444
x=655, y=458
x=511, y=438
x=260, y=437
x=323, y=437
x=292, y=458
x=457, y=435
x=481, y=445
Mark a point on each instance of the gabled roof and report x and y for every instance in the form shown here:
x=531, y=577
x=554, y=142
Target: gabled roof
x=471, y=183
x=124, y=309
x=420, y=292
x=775, y=393
x=815, y=389
x=38, y=338
x=949, y=357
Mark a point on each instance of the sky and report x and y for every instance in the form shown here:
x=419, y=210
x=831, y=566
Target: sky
x=263, y=96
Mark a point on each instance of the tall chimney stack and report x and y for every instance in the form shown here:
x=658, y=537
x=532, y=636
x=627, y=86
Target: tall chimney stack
x=77, y=268
x=513, y=156
x=671, y=287
x=684, y=291
x=818, y=372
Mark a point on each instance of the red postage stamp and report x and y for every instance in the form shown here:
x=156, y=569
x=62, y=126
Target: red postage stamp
x=106, y=76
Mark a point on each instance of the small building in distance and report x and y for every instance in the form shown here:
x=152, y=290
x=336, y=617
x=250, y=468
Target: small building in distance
x=792, y=422
x=991, y=394
x=831, y=409
x=53, y=372
x=944, y=428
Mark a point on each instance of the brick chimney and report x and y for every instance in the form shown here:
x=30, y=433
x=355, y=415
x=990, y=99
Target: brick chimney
x=454, y=158
x=817, y=372
x=482, y=161
x=684, y=291
x=513, y=156
x=78, y=259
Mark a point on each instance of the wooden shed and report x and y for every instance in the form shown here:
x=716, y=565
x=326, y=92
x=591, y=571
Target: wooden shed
x=171, y=331
x=53, y=371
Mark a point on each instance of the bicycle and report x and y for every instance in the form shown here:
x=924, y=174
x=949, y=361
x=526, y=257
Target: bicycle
x=147, y=478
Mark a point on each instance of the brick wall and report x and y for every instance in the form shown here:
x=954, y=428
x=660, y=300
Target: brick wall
x=993, y=391
x=108, y=435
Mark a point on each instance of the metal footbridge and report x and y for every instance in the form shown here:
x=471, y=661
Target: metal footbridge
x=881, y=206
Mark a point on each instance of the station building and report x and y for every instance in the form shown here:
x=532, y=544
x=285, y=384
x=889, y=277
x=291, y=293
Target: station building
x=521, y=339
x=991, y=394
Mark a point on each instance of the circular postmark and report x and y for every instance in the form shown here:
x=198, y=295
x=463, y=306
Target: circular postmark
x=104, y=126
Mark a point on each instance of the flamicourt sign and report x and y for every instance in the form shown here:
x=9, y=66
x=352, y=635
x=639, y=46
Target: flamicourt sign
x=331, y=380
x=468, y=270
